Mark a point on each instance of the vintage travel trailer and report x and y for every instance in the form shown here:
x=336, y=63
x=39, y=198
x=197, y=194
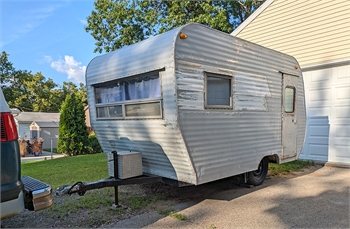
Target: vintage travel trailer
x=198, y=105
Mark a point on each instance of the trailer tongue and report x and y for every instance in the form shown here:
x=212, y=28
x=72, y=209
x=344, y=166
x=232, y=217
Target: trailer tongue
x=81, y=188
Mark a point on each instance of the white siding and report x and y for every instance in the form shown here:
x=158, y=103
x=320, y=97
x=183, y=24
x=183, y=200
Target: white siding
x=24, y=131
x=311, y=31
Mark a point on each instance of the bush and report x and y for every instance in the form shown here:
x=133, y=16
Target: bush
x=94, y=144
x=73, y=136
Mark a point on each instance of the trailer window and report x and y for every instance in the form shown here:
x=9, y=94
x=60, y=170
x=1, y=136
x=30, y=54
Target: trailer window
x=142, y=87
x=138, y=97
x=146, y=109
x=218, y=91
x=109, y=111
x=289, y=99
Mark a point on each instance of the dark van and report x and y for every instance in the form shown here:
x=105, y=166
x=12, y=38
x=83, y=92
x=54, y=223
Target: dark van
x=17, y=193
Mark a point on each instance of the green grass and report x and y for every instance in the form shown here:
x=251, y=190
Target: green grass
x=171, y=213
x=95, y=204
x=212, y=227
x=68, y=170
x=91, y=200
x=298, y=165
x=138, y=202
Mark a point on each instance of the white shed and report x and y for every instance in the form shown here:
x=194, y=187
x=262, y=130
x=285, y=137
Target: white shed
x=25, y=119
x=48, y=131
x=317, y=34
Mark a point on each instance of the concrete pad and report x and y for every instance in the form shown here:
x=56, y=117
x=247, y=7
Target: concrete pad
x=316, y=200
x=44, y=156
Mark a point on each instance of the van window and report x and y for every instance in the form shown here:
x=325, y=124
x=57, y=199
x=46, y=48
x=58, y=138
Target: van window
x=289, y=99
x=138, y=97
x=218, y=91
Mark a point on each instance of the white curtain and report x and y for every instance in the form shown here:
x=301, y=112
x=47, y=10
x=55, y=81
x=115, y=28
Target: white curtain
x=137, y=88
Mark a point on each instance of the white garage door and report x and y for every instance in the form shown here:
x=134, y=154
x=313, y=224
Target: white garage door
x=328, y=114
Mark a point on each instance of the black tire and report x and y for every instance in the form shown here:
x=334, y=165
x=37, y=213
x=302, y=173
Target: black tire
x=258, y=176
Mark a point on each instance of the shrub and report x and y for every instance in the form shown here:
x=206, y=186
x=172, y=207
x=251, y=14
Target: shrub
x=94, y=144
x=73, y=136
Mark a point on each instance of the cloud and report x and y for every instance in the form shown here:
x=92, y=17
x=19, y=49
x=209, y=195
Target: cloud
x=71, y=67
x=82, y=21
x=46, y=59
x=23, y=20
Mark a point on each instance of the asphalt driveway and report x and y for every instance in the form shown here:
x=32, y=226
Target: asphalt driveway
x=318, y=199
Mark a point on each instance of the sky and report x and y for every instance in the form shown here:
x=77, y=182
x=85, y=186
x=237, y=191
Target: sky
x=48, y=36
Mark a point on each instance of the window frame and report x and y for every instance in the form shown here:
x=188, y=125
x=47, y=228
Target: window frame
x=131, y=102
x=294, y=99
x=221, y=76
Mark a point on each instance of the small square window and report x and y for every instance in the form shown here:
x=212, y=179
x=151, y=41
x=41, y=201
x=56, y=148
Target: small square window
x=218, y=91
x=289, y=99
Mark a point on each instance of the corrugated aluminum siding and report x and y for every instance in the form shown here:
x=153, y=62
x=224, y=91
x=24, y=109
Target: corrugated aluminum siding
x=312, y=31
x=159, y=140
x=211, y=144
x=224, y=142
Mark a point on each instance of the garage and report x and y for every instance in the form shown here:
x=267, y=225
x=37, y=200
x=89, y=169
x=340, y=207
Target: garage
x=327, y=99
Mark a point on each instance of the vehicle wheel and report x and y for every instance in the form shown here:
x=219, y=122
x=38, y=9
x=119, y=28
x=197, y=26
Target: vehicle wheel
x=258, y=176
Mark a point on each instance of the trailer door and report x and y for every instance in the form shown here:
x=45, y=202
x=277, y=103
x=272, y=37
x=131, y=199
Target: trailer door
x=289, y=116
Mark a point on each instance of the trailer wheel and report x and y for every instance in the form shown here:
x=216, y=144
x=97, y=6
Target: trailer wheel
x=258, y=176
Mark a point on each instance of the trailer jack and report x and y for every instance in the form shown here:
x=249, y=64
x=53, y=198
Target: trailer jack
x=81, y=188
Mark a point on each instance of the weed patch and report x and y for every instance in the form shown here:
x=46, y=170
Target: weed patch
x=286, y=168
x=171, y=213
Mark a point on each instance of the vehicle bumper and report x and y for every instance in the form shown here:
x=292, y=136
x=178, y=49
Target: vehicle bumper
x=37, y=194
x=12, y=207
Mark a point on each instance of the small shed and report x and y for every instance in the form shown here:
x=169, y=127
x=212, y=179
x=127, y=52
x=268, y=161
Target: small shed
x=46, y=130
x=25, y=119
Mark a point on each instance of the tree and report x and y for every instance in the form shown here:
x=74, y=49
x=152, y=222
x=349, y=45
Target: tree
x=73, y=135
x=240, y=10
x=33, y=92
x=116, y=23
x=6, y=69
x=30, y=92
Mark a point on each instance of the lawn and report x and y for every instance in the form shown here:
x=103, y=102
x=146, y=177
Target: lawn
x=68, y=170
x=93, y=167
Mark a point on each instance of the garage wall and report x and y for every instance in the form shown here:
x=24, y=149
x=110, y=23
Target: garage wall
x=47, y=134
x=312, y=31
x=328, y=110
x=24, y=131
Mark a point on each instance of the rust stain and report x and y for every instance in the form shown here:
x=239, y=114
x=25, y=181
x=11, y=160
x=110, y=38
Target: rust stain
x=8, y=216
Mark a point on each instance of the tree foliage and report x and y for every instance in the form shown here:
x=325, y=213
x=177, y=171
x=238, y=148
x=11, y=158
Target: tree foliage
x=6, y=69
x=116, y=23
x=73, y=135
x=33, y=92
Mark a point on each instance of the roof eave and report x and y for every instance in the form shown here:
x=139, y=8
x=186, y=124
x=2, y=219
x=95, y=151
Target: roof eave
x=254, y=15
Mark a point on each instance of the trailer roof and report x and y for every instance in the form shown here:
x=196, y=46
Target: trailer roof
x=152, y=54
